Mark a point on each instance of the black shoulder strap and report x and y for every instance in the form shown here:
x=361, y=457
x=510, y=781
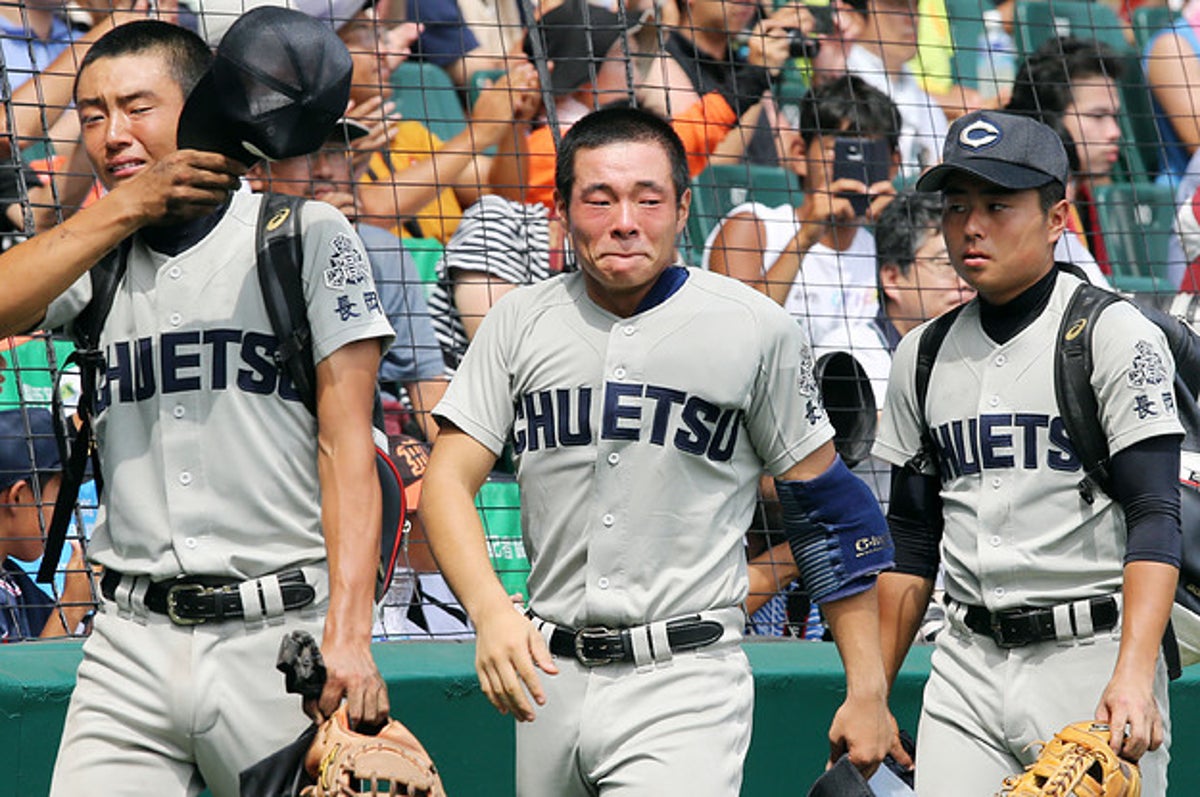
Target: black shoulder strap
x=1077, y=404
x=927, y=352
x=106, y=277
x=280, y=248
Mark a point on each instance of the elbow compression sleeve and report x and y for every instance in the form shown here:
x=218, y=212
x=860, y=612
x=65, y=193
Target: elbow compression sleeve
x=1145, y=479
x=836, y=531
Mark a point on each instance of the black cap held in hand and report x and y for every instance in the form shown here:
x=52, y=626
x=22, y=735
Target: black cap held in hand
x=278, y=85
x=1011, y=151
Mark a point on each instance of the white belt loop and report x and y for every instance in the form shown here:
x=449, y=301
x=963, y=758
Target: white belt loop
x=1063, y=630
x=1082, y=612
x=658, y=639
x=272, y=598
x=640, y=639
x=251, y=606
x=135, y=596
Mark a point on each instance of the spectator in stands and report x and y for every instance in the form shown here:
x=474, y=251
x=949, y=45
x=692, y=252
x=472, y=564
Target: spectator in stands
x=32, y=34
x=1172, y=63
x=916, y=282
x=413, y=362
x=29, y=479
x=500, y=245
x=816, y=257
x=880, y=57
x=449, y=42
x=419, y=184
x=1070, y=85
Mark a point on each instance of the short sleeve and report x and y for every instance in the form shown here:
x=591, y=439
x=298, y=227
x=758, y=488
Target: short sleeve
x=902, y=423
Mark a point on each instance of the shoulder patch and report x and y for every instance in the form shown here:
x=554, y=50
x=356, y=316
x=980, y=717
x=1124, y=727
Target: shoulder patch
x=347, y=266
x=1147, y=367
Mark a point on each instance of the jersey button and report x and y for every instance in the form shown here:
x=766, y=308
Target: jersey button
x=994, y=401
x=996, y=540
x=629, y=330
x=175, y=272
x=185, y=478
x=178, y=411
x=191, y=542
x=602, y=583
x=1000, y=359
x=176, y=319
x=614, y=458
x=998, y=592
x=619, y=373
x=608, y=520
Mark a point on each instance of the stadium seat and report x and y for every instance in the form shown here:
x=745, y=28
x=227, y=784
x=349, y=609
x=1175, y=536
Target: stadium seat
x=1139, y=133
x=720, y=188
x=425, y=252
x=425, y=92
x=1148, y=20
x=499, y=505
x=1137, y=221
x=1035, y=21
x=966, y=28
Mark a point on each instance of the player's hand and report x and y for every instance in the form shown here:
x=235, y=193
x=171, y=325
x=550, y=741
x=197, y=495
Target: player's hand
x=865, y=729
x=1129, y=708
x=342, y=200
x=351, y=675
x=184, y=185
x=508, y=653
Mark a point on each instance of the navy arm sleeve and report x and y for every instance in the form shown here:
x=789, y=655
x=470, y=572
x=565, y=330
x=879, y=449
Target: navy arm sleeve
x=915, y=521
x=1145, y=479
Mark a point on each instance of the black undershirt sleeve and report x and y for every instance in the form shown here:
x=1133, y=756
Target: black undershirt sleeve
x=915, y=521
x=1145, y=479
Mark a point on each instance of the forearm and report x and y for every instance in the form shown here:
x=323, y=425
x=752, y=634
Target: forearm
x=782, y=274
x=425, y=395
x=38, y=270
x=350, y=508
x=854, y=624
x=903, y=600
x=1148, y=593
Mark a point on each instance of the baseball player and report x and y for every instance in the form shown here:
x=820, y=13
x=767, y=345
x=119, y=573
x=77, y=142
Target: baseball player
x=1056, y=606
x=643, y=400
x=223, y=524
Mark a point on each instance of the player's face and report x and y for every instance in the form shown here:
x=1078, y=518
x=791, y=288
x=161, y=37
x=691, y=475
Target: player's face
x=930, y=288
x=1000, y=241
x=129, y=108
x=1091, y=119
x=623, y=217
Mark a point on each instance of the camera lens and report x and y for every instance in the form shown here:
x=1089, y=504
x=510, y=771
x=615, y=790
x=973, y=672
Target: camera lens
x=801, y=46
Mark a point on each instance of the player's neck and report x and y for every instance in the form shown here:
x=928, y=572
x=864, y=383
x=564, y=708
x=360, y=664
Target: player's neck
x=1003, y=322
x=172, y=239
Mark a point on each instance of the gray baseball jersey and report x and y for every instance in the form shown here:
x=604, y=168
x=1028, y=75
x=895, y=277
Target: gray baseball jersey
x=208, y=453
x=638, y=442
x=1018, y=534
x=210, y=462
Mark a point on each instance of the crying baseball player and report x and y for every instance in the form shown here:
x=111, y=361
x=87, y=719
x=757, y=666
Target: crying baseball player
x=643, y=400
x=1056, y=605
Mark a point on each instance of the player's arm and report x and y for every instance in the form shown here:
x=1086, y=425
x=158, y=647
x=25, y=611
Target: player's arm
x=1145, y=483
x=915, y=522
x=182, y=185
x=840, y=542
x=508, y=648
x=350, y=507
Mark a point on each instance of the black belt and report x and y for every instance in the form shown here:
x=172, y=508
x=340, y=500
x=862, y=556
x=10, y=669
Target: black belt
x=597, y=645
x=191, y=601
x=1018, y=627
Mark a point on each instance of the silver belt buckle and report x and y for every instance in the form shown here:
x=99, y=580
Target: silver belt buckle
x=595, y=632
x=174, y=590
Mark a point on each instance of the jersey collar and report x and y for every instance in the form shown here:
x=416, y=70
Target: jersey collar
x=667, y=284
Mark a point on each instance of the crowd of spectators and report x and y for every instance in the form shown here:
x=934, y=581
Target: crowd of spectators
x=844, y=102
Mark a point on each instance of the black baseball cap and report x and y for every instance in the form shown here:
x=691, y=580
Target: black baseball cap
x=279, y=83
x=576, y=36
x=1009, y=150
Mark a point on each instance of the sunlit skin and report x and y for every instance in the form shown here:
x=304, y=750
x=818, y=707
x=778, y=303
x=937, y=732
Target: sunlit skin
x=1091, y=119
x=129, y=110
x=1000, y=241
x=624, y=217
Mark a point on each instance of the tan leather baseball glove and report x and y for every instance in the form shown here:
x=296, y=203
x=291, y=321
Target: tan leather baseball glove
x=390, y=763
x=1077, y=762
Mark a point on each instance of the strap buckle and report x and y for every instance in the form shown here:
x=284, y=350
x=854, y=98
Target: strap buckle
x=173, y=593
x=587, y=640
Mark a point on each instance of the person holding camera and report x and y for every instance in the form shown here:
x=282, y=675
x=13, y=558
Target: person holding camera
x=817, y=258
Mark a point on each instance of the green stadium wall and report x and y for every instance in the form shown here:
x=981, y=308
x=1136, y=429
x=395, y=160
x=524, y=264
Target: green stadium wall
x=433, y=689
